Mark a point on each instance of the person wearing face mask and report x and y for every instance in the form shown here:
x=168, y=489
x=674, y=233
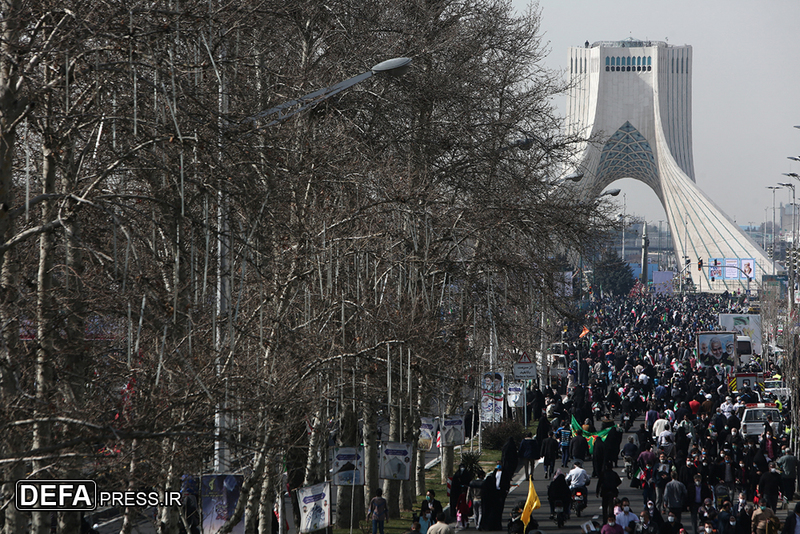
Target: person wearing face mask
x=646, y=525
x=673, y=524
x=425, y=519
x=768, y=487
x=698, y=493
x=724, y=517
x=474, y=496
x=655, y=514
x=626, y=517
x=708, y=528
x=611, y=526
x=761, y=517
x=433, y=505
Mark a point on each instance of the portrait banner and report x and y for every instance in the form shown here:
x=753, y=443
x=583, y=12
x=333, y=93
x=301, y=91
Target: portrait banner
x=426, y=431
x=219, y=494
x=315, y=507
x=396, y=460
x=732, y=268
x=716, y=348
x=745, y=324
x=453, y=430
x=492, y=397
x=348, y=466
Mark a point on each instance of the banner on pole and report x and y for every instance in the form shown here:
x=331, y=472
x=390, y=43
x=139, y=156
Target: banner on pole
x=426, y=428
x=453, y=430
x=348, y=466
x=492, y=397
x=396, y=460
x=516, y=394
x=219, y=494
x=315, y=507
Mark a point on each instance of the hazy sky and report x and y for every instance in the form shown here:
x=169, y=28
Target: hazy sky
x=745, y=88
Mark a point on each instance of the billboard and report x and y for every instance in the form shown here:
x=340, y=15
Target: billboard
x=348, y=466
x=662, y=282
x=315, y=507
x=716, y=348
x=453, y=430
x=744, y=324
x=731, y=268
x=396, y=460
x=492, y=397
x=516, y=394
x=426, y=427
x=219, y=494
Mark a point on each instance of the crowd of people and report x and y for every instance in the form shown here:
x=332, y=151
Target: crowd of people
x=689, y=456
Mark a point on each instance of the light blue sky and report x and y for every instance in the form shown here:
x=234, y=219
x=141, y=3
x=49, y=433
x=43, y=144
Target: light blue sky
x=746, y=88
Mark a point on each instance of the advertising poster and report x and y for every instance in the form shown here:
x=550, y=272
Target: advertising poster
x=453, y=430
x=744, y=324
x=715, y=272
x=731, y=268
x=748, y=268
x=492, y=397
x=348, y=466
x=219, y=494
x=315, y=507
x=426, y=429
x=716, y=348
x=396, y=460
x=516, y=394
x=662, y=282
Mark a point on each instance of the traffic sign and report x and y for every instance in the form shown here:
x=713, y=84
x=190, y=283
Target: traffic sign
x=524, y=358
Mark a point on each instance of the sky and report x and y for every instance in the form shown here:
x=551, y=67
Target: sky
x=745, y=89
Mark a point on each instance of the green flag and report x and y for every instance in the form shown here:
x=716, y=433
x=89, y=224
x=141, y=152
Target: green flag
x=591, y=437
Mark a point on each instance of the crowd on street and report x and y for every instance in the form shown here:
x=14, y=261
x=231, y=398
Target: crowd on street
x=638, y=395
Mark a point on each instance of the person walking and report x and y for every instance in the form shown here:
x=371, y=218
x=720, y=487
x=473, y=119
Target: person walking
x=378, y=510
x=675, y=496
x=441, y=527
x=608, y=488
x=788, y=466
x=527, y=454
x=768, y=487
x=549, y=454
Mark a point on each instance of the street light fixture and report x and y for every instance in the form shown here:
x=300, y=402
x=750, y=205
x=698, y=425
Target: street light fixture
x=393, y=67
x=792, y=158
x=774, y=252
x=610, y=193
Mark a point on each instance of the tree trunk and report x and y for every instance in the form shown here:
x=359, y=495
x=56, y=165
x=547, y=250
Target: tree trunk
x=391, y=488
x=45, y=332
x=371, y=465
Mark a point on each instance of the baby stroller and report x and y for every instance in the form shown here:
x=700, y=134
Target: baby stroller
x=721, y=494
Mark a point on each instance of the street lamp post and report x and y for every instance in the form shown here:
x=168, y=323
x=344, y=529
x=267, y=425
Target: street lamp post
x=774, y=188
x=279, y=113
x=789, y=263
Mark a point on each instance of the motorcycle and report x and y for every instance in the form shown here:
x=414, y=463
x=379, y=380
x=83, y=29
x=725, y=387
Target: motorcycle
x=629, y=467
x=579, y=499
x=559, y=514
x=627, y=421
x=597, y=410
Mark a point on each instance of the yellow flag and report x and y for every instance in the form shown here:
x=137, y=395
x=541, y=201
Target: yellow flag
x=531, y=504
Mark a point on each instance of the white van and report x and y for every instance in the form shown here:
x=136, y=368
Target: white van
x=755, y=416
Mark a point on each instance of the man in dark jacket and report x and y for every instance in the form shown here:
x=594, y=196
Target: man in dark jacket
x=550, y=450
x=768, y=486
x=527, y=454
x=791, y=522
x=607, y=488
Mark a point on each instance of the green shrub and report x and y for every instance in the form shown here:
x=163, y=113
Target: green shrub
x=495, y=436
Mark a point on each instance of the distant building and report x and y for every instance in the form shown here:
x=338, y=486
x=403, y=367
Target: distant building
x=633, y=99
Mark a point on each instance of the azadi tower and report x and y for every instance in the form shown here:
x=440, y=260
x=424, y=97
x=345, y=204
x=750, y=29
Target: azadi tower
x=633, y=100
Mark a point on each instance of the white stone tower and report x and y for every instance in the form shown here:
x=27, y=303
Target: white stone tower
x=633, y=100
